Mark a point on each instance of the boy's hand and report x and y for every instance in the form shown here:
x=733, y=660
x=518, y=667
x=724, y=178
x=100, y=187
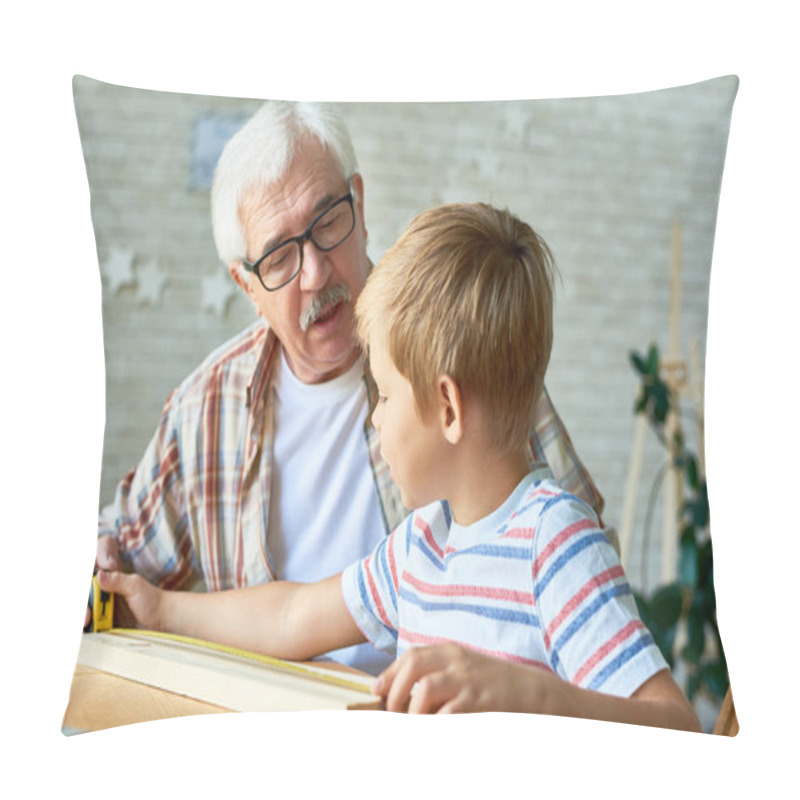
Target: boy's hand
x=448, y=679
x=107, y=558
x=142, y=598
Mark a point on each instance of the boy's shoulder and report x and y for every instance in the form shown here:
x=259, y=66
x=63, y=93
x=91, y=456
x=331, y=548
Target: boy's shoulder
x=561, y=525
x=548, y=508
x=434, y=518
x=543, y=494
x=538, y=505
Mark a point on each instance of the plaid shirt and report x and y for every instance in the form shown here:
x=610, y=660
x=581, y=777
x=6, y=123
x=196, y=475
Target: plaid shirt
x=194, y=512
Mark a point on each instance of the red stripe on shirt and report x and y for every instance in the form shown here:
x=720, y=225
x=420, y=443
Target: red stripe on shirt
x=601, y=652
x=555, y=543
x=392, y=562
x=519, y=533
x=376, y=598
x=428, y=534
x=212, y=416
x=420, y=639
x=591, y=585
x=182, y=574
x=465, y=590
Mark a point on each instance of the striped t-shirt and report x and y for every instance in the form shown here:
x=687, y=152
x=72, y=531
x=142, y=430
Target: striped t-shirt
x=536, y=582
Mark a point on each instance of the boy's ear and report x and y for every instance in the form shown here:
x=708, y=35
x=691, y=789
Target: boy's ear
x=451, y=409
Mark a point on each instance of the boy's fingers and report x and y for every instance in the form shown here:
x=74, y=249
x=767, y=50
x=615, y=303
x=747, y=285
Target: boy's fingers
x=431, y=693
x=107, y=557
x=382, y=683
x=112, y=581
x=398, y=691
x=412, y=666
x=401, y=683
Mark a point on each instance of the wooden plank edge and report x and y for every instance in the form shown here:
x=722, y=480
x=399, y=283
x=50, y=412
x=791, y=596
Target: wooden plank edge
x=215, y=679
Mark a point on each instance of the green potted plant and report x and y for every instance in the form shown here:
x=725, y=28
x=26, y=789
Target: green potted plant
x=682, y=615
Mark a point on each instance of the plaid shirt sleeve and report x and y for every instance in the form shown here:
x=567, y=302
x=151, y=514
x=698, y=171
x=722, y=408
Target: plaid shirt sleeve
x=193, y=511
x=550, y=443
x=148, y=516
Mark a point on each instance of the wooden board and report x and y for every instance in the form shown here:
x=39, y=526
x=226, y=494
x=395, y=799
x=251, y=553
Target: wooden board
x=228, y=679
x=99, y=700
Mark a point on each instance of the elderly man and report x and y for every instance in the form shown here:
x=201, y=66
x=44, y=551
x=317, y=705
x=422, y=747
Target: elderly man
x=264, y=465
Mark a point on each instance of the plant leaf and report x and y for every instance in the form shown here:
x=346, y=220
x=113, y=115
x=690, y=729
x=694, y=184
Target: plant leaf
x=638, y=362
x=688, y=562
x=665, y=640
x=716, y=678
x=700, y=513
x=641, y=607
x=692, y=472
x=652, y=361
x=665, y=606
x=695, y=682
x=695, y=624
x=660, y=401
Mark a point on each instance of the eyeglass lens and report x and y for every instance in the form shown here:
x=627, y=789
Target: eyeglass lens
x=328, y=231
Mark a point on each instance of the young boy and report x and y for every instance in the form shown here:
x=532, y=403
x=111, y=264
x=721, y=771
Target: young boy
x=500, y=592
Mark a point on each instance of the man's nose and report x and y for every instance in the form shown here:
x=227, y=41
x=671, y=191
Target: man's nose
x=316, y=268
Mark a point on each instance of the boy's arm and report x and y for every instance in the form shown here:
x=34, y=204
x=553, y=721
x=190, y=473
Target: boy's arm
x=295, y=621
x=450, y=679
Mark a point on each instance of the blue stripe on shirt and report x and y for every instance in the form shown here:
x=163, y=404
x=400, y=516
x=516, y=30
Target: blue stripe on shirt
x=537, y=499
x=520, y=552
x=386, y=571
x=425, y=549
x=366, y=600
x=620, y=590
x=501, y=613
x=563, y=558
x=448, y=517
x=626, y=655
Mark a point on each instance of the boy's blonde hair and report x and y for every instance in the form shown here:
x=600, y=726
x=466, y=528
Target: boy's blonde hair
x=467, y=291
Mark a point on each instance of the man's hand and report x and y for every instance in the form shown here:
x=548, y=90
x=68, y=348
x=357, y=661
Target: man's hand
x=448, y=679
x=142, y=598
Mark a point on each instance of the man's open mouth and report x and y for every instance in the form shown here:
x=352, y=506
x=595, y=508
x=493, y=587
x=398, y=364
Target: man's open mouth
x=327, y=313
x=324, y=306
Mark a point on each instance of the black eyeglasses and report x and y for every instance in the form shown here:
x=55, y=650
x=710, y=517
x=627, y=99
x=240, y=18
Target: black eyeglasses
x=282, y=264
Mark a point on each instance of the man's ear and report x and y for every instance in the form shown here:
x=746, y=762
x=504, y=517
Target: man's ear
x=357, y=184
x=451, y=409
x=242, y=279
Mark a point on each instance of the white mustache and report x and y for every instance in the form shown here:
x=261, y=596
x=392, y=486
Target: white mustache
x=327, y=297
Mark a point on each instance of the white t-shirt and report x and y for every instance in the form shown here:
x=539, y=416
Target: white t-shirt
x=324, y=512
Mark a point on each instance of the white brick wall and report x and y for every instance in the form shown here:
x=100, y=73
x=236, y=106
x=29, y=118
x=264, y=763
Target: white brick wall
x=604, y=181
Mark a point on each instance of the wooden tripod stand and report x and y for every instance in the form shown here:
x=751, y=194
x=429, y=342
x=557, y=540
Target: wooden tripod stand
x=681, y=379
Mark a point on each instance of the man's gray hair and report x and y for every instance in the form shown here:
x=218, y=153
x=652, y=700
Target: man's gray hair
x=261, y=152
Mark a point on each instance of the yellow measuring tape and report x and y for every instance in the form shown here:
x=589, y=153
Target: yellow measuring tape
x=102, y=604
x=277, y=663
